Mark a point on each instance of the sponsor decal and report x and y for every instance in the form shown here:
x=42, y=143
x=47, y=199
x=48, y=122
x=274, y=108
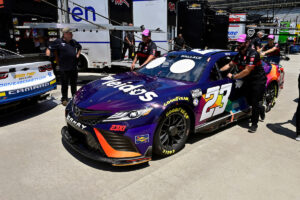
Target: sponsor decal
x=121, y=2
x=196, y=93
x=75, y=123
x=250, y=32
x=171, y=7
x=176, y=99
x=140, y=139
x=22, y=82
x=168, y=152
x=178, y=110
x=2, y=94
x=28, y=89
x=126, y=87
x=24, y=76
x=191, y=57
x=52, y=82
x=195, y=102
x=117, y=128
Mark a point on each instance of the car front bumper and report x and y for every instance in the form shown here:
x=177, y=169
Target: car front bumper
x=99, y=152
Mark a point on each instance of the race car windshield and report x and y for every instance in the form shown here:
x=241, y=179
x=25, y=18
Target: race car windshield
x=177, y=67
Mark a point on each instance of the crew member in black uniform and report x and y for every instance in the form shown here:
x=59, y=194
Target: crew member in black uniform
x=68, y=51
x=256, y=42
x=146, y=50
x=254, y=77
x=298, y=114
x=128, y=43
x=271, y=50
x=179, y=43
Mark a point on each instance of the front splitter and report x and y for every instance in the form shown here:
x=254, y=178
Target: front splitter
x=67, y=138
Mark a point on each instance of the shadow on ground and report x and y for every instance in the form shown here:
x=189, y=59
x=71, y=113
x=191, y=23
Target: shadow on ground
x=278, y=128
x=25, y=110
x=100, y=165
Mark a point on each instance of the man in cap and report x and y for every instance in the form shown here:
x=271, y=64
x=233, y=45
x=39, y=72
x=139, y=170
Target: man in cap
x=146, y=50
x=68, y=51
x=271, y=50
x=251, y=71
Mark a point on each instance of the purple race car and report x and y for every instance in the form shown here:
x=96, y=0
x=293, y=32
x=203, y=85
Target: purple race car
x=123, y=119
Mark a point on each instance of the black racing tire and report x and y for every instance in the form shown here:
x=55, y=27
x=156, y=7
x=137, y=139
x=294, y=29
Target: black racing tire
x=172, y=132
x=270, y=96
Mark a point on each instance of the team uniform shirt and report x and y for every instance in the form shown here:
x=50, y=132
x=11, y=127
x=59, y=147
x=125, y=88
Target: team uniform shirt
x=145, y=50
x=130, y=36
x=274, y=53
x=66, y=53
x=251, y=58
x=256, y=42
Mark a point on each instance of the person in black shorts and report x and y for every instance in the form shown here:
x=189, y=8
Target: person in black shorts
x=253, y=75
x=128, y=43
x=146, y=50
x=68, y=51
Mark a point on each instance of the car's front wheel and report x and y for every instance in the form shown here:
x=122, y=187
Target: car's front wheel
x=172, y=132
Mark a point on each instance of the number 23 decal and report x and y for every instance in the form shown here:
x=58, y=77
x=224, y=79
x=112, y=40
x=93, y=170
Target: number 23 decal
x=216, y=101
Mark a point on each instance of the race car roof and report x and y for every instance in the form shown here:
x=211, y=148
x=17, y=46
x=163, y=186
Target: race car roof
x=208, y=52
x=199, y=52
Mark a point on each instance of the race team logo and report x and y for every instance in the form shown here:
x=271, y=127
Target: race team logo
x=121, y=2
x=171, y=7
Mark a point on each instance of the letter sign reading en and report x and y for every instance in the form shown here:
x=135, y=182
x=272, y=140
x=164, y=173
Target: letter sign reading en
x=79, y=13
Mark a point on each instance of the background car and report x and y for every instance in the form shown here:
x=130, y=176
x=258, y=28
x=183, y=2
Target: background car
x=24, y=77
x=123, y=119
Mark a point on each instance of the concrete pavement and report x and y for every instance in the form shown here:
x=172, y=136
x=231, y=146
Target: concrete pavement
x=228, y=164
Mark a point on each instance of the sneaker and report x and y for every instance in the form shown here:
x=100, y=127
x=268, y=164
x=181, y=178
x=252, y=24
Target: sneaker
x=252, y=129
x=64, y=103
x=297, y=138
x=262, y=116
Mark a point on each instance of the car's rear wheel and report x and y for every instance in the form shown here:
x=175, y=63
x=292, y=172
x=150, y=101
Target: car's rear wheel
x=270, y=96
x=172, y=132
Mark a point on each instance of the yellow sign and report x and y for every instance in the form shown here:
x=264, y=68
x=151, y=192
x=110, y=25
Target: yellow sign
x=24, y=75
x=297, y=32
x=2, y=94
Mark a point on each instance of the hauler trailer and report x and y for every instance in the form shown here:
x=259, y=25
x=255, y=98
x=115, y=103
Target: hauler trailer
x=100, y=35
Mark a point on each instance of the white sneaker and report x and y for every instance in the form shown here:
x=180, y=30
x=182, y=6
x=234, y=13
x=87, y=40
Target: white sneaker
x=297, y=138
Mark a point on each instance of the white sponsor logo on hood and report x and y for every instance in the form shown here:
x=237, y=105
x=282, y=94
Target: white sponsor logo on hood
x=78, y=124
x=134, y=90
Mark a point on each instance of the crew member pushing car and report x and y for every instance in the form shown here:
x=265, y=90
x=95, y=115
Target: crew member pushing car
x=68, y=51
x=251, y=71
x=146, y=50
x=271, y=50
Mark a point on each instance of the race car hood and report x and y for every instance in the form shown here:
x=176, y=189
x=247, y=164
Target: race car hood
x=128, y=91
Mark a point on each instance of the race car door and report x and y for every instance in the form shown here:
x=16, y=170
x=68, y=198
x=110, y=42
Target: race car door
x=216, y=97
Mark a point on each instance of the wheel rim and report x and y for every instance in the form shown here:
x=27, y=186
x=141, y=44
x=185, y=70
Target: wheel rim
x=270, y=96
x=173, y=130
